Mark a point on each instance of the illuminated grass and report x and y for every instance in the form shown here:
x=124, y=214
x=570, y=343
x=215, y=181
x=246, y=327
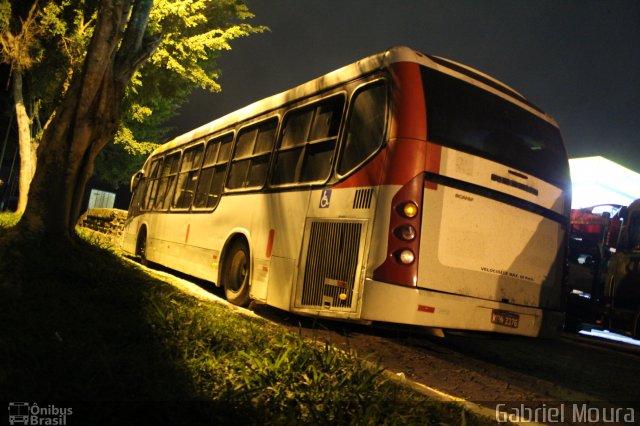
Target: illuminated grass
x=8, y=219
x=81, y=324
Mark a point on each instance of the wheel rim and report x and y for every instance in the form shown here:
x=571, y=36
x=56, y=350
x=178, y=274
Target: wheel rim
x=238, y=271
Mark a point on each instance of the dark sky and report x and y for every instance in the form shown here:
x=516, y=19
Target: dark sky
x=579, y=60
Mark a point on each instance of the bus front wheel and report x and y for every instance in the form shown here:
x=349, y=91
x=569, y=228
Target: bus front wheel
x=236, y=273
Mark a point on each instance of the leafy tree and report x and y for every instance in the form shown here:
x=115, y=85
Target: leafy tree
x=53, y=42
x=105, y=89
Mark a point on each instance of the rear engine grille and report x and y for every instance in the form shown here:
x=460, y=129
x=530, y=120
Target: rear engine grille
x=331, y=265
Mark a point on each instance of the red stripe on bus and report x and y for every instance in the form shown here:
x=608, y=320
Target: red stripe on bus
x=370, y=175
x=410, y=112
x=407, y=148
x=432, y=163
x=272, y=234
x=186, y=237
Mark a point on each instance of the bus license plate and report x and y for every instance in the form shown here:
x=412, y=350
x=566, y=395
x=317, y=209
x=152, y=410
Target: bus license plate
x=506, y=318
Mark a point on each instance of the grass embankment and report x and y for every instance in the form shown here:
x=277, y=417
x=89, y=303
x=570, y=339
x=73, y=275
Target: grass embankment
x=81, y=324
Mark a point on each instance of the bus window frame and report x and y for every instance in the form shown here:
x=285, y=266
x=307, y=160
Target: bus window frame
x=180, y=172
x=149, y=181
x=248, y=125
x=216, y=136
x=344, y=94
x=170, y=189
x=136, y=180
x=385, y=132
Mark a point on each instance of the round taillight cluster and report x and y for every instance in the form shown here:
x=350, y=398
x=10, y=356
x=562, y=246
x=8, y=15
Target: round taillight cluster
x=406, y=232
x=403, y=243
x=406, y=257
x=409, y=209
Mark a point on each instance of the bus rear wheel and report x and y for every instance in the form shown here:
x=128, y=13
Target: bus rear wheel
x=236, y=273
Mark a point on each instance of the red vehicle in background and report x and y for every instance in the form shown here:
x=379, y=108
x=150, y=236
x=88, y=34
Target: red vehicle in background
x=604, y=272
x=590, y=223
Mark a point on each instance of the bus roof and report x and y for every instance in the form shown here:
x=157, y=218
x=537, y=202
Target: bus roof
x=343, y=75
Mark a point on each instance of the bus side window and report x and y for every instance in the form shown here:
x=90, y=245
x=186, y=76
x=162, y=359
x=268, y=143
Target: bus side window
x=251, y=157
x=167, y=181
x=294, y=135
x=308, y=142
x=365, y=129
x=151, y=185
x=188, y=177
x=214, y=167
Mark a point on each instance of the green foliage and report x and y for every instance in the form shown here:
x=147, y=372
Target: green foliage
x=20, y=41
x=5, y=15
x=48, y=44
x=121, y=159
x=193, y=33
x=8, y=219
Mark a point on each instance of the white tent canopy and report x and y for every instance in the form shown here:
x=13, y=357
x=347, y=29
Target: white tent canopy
x=596, y=180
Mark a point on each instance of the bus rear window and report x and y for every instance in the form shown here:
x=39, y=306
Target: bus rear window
x=467, y=118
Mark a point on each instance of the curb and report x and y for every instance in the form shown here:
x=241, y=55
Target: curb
x=445, y=397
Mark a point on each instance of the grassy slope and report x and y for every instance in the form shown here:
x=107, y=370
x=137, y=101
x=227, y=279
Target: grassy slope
x=80, y=324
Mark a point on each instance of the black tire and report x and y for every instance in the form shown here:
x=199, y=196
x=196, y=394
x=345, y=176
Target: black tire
x=236, y=271
x=572, y=325
x=635, y=326
x=141, y=247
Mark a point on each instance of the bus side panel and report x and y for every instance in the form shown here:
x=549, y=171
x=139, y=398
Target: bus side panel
x=130, y=235
x=281, y=273
x=285, y=213
x=380, y=232
x=275, y=243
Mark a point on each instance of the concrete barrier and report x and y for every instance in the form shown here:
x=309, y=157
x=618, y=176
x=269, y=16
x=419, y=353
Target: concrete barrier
x=109, y=222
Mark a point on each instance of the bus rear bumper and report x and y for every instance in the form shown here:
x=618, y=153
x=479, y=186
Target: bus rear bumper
x=408, y=305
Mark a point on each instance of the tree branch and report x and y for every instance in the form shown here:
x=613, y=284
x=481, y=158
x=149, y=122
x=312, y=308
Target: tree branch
x=137, y=46
x=111, y=20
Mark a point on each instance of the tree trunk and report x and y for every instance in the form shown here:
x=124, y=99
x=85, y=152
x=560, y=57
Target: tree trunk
x=87, y=118
x=26, y=144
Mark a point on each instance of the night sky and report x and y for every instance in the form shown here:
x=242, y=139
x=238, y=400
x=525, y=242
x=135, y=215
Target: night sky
x=578, y=60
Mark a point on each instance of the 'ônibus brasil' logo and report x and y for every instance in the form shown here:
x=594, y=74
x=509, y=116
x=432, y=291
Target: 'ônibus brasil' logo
x=31, y=414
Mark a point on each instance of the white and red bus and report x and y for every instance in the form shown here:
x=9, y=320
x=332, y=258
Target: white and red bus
x=403, y=188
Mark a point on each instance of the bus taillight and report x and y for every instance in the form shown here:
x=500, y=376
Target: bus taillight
x=409, y=209
x=406, y=232
x=401, y=263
